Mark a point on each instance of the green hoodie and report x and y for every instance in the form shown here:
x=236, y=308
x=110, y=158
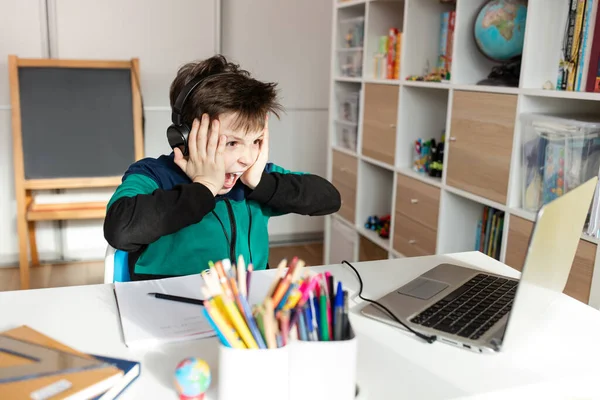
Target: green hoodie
x=171, y=226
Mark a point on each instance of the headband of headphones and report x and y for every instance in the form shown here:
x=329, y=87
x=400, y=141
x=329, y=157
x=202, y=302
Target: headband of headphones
x=177, y=111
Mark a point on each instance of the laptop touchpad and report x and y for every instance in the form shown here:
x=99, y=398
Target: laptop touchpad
x=423, y=288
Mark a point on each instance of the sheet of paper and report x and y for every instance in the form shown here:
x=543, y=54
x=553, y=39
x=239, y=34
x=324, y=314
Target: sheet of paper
x=148, y=321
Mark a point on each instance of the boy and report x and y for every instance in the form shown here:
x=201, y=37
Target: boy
x=213, y=196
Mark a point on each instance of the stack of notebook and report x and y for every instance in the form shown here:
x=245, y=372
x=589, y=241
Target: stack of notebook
x=35, y=366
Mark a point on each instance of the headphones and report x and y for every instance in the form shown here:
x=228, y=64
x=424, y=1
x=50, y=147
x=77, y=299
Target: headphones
x=178, y=131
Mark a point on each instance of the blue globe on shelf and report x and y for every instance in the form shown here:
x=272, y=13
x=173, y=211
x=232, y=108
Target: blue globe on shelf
x=499, y=32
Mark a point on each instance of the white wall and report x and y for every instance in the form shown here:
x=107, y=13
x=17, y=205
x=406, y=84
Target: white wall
x=165, y=35
x=287, y=42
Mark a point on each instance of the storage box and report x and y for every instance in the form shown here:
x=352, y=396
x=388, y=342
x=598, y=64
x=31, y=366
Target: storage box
x=348, y=106
x=351, y=32
x=346, y=135
x=559, y=152
x=299, y=371
x=350, y=62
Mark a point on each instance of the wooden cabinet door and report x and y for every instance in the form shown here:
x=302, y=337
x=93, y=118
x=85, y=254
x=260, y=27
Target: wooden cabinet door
x=480, y=143
x=580, y=279
x=418, y=201
x=369, y=251
x=413, y=239
x=344, y=176
x=379, y=122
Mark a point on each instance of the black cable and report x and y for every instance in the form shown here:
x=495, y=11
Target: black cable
x=428, y=339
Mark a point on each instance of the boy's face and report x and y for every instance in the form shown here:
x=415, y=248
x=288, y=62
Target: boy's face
x=241, y=150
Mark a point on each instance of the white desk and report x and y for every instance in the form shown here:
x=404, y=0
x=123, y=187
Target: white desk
x=392, y=363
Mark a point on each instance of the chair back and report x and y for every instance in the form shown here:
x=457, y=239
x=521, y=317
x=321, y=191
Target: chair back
x=116, y=268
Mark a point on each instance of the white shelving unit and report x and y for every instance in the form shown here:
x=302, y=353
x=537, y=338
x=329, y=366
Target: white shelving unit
x=376, y=177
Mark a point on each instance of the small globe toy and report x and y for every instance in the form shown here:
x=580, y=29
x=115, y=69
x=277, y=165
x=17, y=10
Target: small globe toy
x=192, y=378
x=500, y=29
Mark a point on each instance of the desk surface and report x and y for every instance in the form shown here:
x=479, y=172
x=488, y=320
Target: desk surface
x=391, y=362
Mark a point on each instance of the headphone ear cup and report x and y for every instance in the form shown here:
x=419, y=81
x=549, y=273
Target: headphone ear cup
x=177, y=136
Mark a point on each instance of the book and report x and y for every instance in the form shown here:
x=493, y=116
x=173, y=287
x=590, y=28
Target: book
x=83, y=384
x=450, y=41
x=131, y=371
x=149, y=321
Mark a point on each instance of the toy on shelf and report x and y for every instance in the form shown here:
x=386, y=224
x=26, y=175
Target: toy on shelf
x=381, y=225
x=428, y=157
x=192, y=378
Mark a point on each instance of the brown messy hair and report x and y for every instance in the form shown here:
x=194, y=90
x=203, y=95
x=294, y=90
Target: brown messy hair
x=225, y=88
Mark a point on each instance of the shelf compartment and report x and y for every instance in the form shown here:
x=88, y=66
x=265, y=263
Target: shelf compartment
x=344, y=178
x=462, y=222
x=423, y=28
x=544, y=105
x=375, y=195
x=469, y=64
x=543, y=46
x=379, y=122
x=423, y=115
x=479, y=143
x=371, y=246
x=382, y=16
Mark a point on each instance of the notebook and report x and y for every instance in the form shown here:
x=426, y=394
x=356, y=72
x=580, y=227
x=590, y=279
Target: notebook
x=72, y=385
x=148, y=321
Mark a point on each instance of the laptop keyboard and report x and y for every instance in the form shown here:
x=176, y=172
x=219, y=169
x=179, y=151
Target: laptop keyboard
x=472, y=309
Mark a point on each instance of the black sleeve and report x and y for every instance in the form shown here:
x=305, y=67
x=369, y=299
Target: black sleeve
x=133, y=222
x=300, y=194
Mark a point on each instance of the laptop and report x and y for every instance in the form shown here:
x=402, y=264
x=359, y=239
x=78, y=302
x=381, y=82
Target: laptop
x=469, y=308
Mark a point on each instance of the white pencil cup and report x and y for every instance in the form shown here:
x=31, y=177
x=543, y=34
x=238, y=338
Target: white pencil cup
x=253, y=374
x=298, y=371
x=323, y=370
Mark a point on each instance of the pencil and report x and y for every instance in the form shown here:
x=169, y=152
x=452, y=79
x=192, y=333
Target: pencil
x=230, y=334
x=268, y=320
x=238, y=322
x=248, y=276
x=241, y=270
x=284, y=320
x=324, y=314
x=278, y=276
x=244, y=309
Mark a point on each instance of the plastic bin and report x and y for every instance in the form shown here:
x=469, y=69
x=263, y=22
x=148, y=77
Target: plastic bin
x=350, y=62
x=351, y=33
x=346, y=135
x=559, y=152
x=348, y=106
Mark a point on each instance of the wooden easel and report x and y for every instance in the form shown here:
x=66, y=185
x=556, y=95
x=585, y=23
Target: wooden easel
x=27, y=211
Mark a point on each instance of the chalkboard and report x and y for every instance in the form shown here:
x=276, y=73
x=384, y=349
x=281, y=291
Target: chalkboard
x=76, y=122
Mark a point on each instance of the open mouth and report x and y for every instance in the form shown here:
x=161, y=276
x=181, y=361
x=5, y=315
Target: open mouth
x=231, y=178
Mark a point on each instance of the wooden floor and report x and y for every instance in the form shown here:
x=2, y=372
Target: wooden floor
x=89, y=273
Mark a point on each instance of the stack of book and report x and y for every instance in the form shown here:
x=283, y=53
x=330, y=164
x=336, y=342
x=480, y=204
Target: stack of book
x=35, y=366
x=579, y=67
x=488, y=236
x=387, y=57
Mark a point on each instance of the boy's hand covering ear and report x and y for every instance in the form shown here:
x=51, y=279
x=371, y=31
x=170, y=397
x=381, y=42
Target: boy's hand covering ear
x=205, y=164
x=251, y=177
